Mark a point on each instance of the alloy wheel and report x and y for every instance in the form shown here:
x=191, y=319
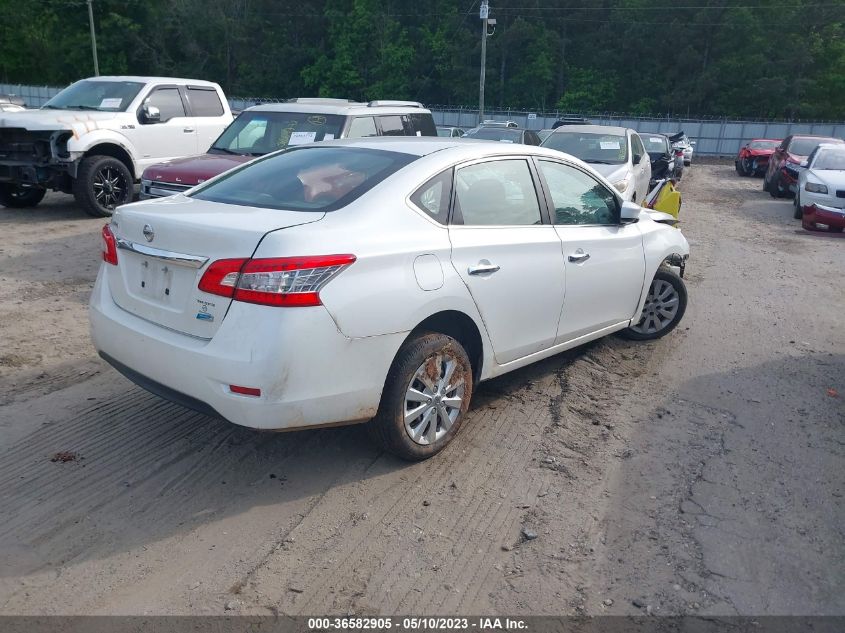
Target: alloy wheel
x=109, y=187
x=433, y=399
x=660, y=308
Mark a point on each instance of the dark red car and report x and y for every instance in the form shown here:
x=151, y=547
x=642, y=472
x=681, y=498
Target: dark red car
x=753, y=157
x=782, y=174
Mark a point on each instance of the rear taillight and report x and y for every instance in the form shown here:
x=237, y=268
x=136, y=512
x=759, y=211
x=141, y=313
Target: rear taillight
x=281, y=281
x=109, y=246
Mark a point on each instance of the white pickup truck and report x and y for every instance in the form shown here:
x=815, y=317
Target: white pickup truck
x=95, y=138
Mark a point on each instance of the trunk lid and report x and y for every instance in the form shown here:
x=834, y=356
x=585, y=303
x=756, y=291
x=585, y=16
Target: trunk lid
x=165, y=246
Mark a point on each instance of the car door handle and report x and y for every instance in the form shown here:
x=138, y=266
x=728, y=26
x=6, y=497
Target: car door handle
x=482, y=268
x=579, y=256
x=188, y=130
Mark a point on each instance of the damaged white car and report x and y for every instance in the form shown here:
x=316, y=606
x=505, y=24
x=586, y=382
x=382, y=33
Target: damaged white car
x=377, y=280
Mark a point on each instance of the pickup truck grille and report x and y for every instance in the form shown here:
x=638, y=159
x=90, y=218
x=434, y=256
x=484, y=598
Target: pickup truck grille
x=19, y=145
x=157, y=189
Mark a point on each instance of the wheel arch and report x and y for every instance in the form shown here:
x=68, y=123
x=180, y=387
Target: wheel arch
x=462, y=328
x=115, y=151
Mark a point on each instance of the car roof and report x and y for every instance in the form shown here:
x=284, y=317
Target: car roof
x=338, y=106
x=141, y=79
x=426, y=145
x=592, y=129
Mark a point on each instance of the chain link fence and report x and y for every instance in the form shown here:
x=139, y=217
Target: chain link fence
x=713, y=136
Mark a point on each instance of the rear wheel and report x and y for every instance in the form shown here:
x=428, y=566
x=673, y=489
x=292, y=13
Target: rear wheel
x=102, y=184
x=425, y=397
x=18, y=197
x=663, y=310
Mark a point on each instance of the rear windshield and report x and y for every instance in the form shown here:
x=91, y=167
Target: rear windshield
x=257, y=133
x=763, y=144
x=496, y=134
x=591, y=147
x=803, y=146
x=655, y=144
x=305, y=179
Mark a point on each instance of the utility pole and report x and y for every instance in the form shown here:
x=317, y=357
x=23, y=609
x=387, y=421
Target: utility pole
x=484, y=14
x=93, y=39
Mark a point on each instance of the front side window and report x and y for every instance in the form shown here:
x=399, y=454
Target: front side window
x=444, y=131
x=305, y=179
x=205, y=102
x=591, y=147
x=91, y=94
x=637, y=145
x=361, y=127
x=433, y=196
x=497, y=192
x=577, y=197
x=168, y=102
x=257, y=132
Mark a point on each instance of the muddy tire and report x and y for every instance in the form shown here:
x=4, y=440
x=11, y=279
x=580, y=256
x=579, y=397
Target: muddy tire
x=17, y=197
x=425, y=397
x=664, y=308
x=740, y=168
x=102, y=184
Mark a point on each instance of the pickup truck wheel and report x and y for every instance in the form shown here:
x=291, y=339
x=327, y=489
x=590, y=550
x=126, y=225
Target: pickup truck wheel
x=663, y=310
x=426, y=395
x=102, y=184
x=17, y=197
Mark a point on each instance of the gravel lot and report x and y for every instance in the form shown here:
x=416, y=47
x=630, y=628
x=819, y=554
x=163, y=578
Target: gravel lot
x=701, y=474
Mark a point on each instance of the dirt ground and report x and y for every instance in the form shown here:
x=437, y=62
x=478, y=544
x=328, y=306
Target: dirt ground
x=700, y=474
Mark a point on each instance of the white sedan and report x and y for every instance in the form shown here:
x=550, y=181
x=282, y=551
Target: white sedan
x=820, y=193
x=376, y=280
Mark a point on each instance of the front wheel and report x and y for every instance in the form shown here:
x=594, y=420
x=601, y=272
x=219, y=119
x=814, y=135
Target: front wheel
x=102, y=184
x=797, y=211
x=663, y=310
x=426, y=395
x=17, y=197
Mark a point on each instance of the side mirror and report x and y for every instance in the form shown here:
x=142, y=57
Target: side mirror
x=150, y=114
x=630, y=212
x=637, y=159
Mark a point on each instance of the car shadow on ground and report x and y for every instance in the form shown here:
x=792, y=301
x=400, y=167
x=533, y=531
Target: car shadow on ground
x=130, y=469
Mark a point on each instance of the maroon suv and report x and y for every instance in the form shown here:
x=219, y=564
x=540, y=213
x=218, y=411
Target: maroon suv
x=268, y=128
x=782, y=174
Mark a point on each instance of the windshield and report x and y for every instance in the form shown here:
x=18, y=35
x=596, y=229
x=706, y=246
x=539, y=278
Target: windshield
x=656, y=144
x=93, y=94
x=591, y=147
x=503, y=134
x=257, y=133
x=833, y=159
x=763, y=144
x=305, y=179
x=804, y=146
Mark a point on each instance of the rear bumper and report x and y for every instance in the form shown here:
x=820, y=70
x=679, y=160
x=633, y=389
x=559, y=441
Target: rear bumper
x=308, y=372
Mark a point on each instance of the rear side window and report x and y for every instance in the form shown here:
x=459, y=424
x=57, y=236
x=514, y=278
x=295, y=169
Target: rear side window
x=168, y=101
x=204, y=102
x=433, y=197
x=362, y=126
x=421, y=124
x=305, y=179
x=391, y=125
x=495, y=193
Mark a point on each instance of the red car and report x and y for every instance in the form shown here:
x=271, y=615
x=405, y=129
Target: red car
x=753, y=157
x=782, y=174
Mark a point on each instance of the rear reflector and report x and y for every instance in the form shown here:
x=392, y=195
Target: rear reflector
x=278, y=281
x=245, y=391
x=109, y=246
